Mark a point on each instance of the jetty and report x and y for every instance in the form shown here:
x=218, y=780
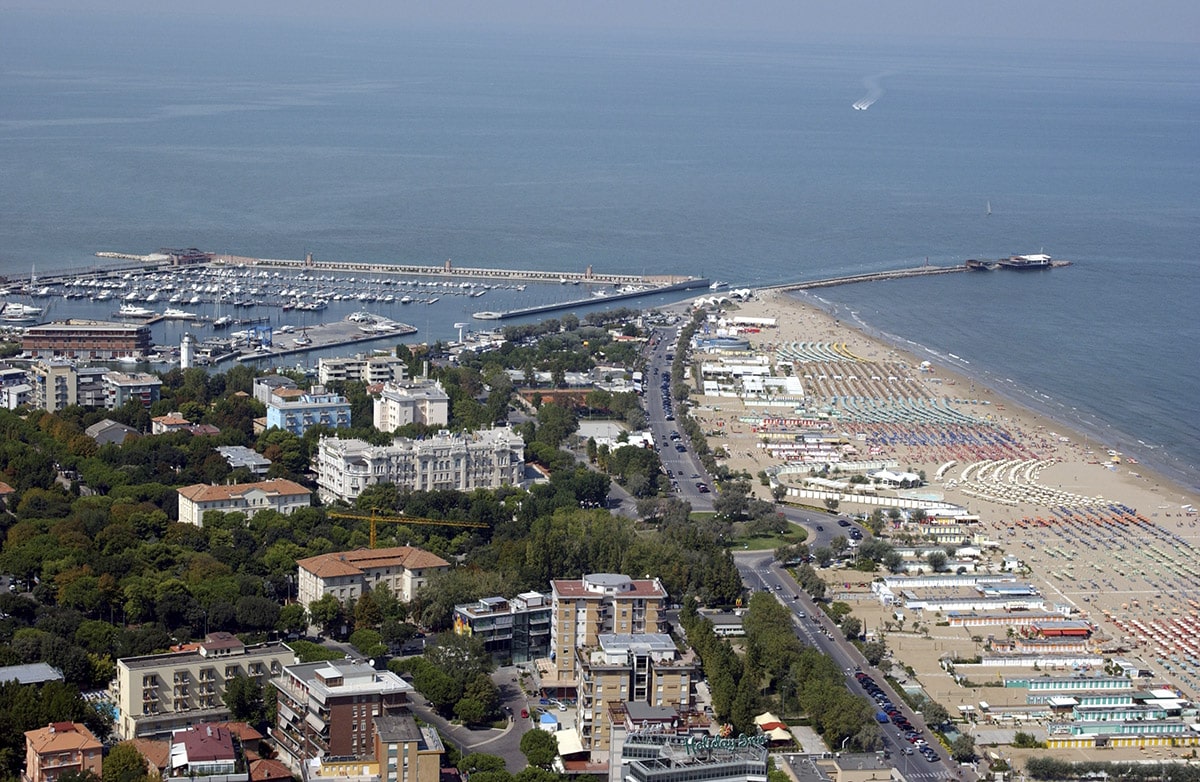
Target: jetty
x=618, y=295
x=850, y=279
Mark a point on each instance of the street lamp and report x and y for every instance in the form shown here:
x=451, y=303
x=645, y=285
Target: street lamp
x=844, y=743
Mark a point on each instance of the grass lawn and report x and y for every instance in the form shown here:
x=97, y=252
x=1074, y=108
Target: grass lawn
x=769, y=542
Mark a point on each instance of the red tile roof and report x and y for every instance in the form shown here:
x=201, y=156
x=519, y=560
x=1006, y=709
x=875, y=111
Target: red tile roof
x=203, y=492
x=349, y=563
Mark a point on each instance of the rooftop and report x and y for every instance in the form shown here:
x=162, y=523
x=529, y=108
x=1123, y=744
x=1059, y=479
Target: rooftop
x=203, y=492
x=348, y=563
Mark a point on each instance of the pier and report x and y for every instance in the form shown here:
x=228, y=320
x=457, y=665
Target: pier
x=690, y=284
x=896, y=274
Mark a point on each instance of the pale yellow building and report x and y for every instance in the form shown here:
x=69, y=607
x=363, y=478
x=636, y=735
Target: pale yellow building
x=158, y=693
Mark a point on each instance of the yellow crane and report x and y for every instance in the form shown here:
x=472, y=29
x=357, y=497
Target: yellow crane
x=375, y=518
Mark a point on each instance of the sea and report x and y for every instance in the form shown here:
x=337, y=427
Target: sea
x=747, y=159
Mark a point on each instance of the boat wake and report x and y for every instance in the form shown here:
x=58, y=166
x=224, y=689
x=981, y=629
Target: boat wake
x=874, y=91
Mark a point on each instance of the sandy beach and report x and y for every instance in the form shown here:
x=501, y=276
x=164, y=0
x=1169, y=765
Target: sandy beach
x=1096, y=531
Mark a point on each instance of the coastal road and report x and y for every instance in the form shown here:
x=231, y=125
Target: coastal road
x=760, y=572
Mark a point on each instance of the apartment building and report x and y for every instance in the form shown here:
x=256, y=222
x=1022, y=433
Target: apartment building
x=599, y=603
x=60, y=748
x=417, y=401
x=643, y=668
x=297, y=413
x=123, y=387
x=513, y=631
x=461, y=461
x=365, y=369
x=156, y=694
x=345, y=574
x=327, y=710
x=276, y=494
x=406, y=752
x=59, y=383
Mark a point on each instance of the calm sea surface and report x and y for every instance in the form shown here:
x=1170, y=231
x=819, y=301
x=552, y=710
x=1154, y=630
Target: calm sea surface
x=736, y=159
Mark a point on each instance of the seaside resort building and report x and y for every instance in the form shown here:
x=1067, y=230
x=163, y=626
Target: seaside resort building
x=86, y=339
x=249, y=498
x=296, y=413
x=419, y=401
x=345, y=574
x=513, y=631
x=608, y=647
x=365, y=369
x=60, y=748
x=478, y=460
x=156, y=694
x=345, y=719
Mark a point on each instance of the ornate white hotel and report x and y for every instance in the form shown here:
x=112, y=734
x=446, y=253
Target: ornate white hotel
x=466, y=461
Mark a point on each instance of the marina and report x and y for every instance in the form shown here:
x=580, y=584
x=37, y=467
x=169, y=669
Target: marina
x=247, y=309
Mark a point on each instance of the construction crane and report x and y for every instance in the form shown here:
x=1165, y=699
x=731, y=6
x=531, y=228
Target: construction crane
x=375, y=518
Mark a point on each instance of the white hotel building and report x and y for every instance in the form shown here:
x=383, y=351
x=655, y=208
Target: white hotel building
x=474, y=460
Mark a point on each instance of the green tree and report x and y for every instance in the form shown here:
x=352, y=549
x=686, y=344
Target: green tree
x=874, y=651
x=243, y=697
x=326, y=612
x=539, y=748
x=937, y=560
x=292, y=619
x=852, y=626
x=470, y=711
x=257, y=613
x=484, y=691
x=962, y=748
x=124, y=764
x=934, y=713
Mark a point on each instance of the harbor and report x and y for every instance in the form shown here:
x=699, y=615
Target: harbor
x=250, y=309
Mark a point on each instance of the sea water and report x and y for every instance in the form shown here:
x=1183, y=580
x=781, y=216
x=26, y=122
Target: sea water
x=743, y=160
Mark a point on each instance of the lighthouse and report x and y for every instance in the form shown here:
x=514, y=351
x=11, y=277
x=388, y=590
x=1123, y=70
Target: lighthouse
x=187, y=352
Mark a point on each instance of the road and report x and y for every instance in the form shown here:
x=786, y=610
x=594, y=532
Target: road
x=760, y=572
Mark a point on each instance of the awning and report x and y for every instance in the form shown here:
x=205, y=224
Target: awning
x=569, y=742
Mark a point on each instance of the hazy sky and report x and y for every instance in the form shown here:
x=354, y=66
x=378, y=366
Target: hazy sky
x=1110, y=20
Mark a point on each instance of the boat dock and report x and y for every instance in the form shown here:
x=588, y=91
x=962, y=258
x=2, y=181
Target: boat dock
x=274, y=343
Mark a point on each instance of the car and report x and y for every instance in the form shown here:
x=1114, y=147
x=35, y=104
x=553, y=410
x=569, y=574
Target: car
x=843, y=523
x=524, y=714
x=820, y=528
x=702, y=489
x=907, y=750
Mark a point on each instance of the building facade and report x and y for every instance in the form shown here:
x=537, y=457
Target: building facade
x=156, y=694
x=345, y=574
x=406, y=752
x=86, y=339
x=479, y=460
x=364, y=369
x=327, y=710
x=599, y=604
x=643, y=668
x=312, y=408
x=277, y=494
x=206, y=753
x=513, y=631
x=123, y=387
x=60, y=748
x=420, y=401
